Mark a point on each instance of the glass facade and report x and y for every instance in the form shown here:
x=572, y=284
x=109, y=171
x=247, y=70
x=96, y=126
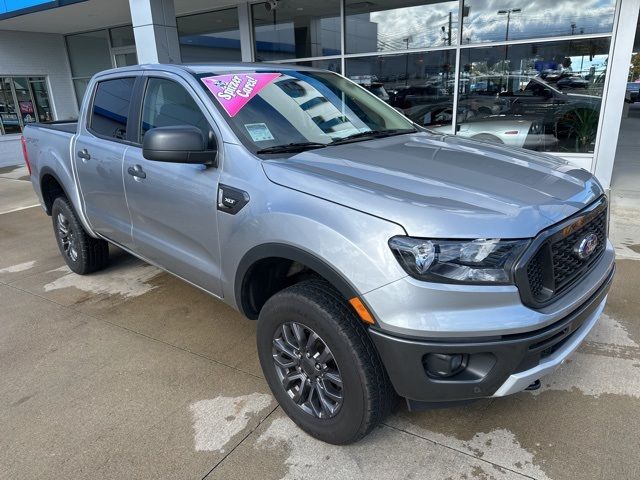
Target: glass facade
x=296, y=29
x=547, y=95
x=23, y=100
x=520, y=19
x=92, y=52
x=523, y=73
x=419, y=84
x=211, y=35
x=333, y=64
x=386, y=25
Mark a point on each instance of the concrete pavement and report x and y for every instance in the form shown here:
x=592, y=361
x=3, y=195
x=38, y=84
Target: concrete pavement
x=131, y=373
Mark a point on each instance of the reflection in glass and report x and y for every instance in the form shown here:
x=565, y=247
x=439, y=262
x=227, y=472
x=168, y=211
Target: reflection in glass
x=9, y=122
x=384, y=25
x=211, y=36
x=296, y=29
x=300, y=106
x=23, y=100
x=109, y=116
x=88, y=53
x=418, y=84
x=542, y=96
x=80, y=86
x=329, y=64
x=517, y=19
x=122, y=36
x=41, y=97
x=126, y=59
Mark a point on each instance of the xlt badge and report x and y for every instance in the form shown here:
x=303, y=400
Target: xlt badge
x=231, y=200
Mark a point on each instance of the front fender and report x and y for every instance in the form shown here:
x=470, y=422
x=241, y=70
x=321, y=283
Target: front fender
x=347, y=247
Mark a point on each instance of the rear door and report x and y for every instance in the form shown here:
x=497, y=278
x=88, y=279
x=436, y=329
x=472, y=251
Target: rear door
x=174, y=206
x=99, y=154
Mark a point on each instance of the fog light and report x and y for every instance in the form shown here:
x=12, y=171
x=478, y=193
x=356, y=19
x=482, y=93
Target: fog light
x=444, y=365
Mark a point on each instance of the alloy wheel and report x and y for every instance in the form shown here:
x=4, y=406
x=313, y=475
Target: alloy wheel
x=67, y=237
x=307, y=370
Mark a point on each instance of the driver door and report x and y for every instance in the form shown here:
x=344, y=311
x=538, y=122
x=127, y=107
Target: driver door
x=173, y=205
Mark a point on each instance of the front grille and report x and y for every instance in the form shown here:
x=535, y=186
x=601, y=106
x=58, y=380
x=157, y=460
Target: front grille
x=535, y=274
x=566, y=265
x=554, y=267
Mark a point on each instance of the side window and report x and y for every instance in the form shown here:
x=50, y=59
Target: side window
x=111, y=107
x=166, y=104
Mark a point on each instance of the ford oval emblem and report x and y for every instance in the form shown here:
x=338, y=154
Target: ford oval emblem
x=586, y=246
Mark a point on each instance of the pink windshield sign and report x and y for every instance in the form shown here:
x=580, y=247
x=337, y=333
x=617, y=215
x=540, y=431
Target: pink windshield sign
x=234, y=91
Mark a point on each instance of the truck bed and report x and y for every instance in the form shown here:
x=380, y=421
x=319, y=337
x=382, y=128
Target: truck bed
x=68, y=126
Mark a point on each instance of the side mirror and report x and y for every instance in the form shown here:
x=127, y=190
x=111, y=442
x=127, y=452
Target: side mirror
x=179, y=144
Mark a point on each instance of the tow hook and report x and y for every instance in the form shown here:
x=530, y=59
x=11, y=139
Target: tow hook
x=534, y=386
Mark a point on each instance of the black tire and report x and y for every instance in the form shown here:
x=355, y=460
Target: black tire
x=367, y=394
x=82, y=253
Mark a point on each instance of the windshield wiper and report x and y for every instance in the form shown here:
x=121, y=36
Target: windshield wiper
x=291, y=147
x=373, y=134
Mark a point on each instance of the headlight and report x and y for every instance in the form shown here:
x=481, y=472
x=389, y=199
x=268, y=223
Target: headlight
x=458, y=261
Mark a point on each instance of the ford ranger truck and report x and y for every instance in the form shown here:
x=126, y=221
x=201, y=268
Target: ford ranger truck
x=378, y=258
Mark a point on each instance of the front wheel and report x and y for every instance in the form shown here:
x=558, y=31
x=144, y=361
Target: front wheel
x=82, y=253
x=320, y=364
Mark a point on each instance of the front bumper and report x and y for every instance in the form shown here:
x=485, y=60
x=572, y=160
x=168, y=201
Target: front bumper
x=497, y=366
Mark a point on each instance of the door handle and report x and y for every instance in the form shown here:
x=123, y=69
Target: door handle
x=136, y=172
x=84, y=154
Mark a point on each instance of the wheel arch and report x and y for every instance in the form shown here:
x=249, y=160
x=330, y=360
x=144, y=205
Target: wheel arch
x=50, y=188
x=260, y=256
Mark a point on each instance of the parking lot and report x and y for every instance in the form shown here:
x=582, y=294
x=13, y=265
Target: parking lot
x=131, y=373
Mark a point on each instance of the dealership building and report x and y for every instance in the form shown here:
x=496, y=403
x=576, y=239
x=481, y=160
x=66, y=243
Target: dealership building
x=548, y=75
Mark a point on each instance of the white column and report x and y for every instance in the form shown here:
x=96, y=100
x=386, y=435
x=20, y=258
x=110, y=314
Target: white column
x=246, y=33
x=616, y=85
x=154, y=28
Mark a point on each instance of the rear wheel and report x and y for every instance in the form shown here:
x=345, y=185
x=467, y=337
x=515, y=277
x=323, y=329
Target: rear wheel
x=320, y=364
x=82, y=253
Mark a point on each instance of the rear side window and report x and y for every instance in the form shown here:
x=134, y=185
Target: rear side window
x=168, y=104
x=110, y=111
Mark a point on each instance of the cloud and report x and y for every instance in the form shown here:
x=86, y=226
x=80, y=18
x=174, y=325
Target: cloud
x=537, y=19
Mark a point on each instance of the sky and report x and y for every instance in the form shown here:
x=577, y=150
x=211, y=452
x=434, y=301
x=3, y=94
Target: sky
x=537, y=18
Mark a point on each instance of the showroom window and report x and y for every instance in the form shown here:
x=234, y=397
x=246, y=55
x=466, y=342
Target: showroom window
x=523, y=73
x=421, y=85
x=542, y=96
x=388, y=25
x=23, y=100
x=210, y=36
x=296, y=29
x=92, y=52
x=332, y=64
x=519, y=19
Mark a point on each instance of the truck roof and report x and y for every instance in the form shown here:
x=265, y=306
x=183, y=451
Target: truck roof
x=218, y=67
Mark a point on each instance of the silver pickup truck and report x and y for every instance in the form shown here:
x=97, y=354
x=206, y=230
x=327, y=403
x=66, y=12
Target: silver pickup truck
x=379, y=259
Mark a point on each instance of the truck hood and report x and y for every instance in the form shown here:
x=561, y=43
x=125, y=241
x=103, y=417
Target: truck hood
x=442, y=186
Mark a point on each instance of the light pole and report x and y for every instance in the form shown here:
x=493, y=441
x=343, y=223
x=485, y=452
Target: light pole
x=406, y=64
x=506, y=37
x=508, y=14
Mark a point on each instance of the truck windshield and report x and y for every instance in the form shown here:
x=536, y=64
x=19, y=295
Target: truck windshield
x=291, y=110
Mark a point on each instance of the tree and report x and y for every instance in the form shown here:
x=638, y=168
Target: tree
x=634, y=71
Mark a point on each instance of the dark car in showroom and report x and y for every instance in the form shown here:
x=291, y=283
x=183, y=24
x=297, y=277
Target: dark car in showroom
x=571, y=117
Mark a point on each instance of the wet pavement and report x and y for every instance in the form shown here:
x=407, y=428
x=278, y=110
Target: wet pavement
x=131, y=373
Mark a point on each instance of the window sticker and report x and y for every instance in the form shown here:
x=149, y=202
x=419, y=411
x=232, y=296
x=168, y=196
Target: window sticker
x=234, y=91
x=259, y=132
